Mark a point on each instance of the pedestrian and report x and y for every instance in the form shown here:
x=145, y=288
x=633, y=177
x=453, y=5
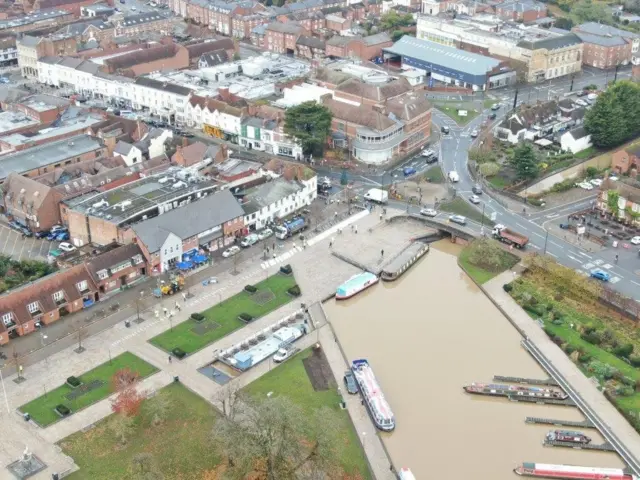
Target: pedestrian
x=156, y=313
x=274, y=246
x=274, y=256
x=169, y=358
x=165, y=311
x=356, y=229
x=352, y=227
x=184, y=297
x=293, y=245
x=331, y=243
x=380, y=217
x=382, y=252
x=178, y=306
x=172, y=313
x=616, y=258
x=335, y=215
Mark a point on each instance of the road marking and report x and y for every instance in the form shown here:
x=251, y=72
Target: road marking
x=534, y=233
x=554, y=243
x=588, y=266
x=614, y=280
x=518, y=225
x=636, y=283
x=574, y=259
x=585, y=255
x=554, y=256
x=607, y=266
x=553, y=215
x=535, y=246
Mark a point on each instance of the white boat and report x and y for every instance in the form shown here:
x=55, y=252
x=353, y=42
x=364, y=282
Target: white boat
x=355, y=285
x=372, y=394
x=405, y=474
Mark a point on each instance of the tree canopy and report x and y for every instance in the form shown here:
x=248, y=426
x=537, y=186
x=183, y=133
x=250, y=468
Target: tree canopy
x=274, y=439
x=525, y=162
x=392, y=20
x=615, y=117
x=310, y=124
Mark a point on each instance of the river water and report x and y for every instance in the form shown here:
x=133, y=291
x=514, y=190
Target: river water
x=428, y=334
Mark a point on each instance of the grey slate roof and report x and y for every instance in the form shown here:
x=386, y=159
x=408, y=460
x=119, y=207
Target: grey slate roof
x=600, y=40
x=551, y=43
x=604, y=30
x=164, y=86
x=29, y=41
x=449, y=57
x=123, y=148
x=190, y=220
x=376, y=39
x=578, y=133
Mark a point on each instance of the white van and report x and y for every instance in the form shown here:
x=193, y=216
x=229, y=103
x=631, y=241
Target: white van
x=249, y=240
x=453, y=176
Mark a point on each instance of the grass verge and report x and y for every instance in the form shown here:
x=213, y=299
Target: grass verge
x=495, y=260
x=460, y=207
x=434, y=174
x=222, y=319
x=451, y=109
x=291, y=379
x=42, y=408
x=180, y=446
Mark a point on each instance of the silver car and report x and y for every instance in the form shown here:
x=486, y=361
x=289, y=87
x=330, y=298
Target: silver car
x=474, y=199
x=428, y=212
x=459, y=219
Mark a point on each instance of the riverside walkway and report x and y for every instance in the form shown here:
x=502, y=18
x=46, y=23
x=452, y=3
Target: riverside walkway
x=317, y=272
x=591, y=401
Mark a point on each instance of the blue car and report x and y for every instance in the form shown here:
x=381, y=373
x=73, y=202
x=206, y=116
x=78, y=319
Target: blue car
x=600, y=275
x=61, y=237
x=409, y=171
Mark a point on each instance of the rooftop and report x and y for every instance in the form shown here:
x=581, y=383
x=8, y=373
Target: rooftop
x=48, y=154
x=268, y=193
x=141, y=18
x=61, y=128
x=34, y=17
x=190, y=220
x=450, y=57
x=10, y=121
x=123, y=203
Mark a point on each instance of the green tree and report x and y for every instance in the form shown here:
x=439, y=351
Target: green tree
x=397, y=35
x=489, y=169
x=612, y=202
x=525, y=162
x=393, y=20
x=615, y=117
x=563, y=22
x=310, y=124
x=590, y=11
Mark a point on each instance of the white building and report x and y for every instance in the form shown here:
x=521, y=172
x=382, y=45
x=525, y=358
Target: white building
x=267, y=136
x=129, y=153
x=575, y=140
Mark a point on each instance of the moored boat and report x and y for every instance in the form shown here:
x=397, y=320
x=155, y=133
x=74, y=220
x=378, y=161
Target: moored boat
x=499, y=390
x=571, y=472
x=372, y=395
x=568, y=436
x=355, y=285
x=405, y=474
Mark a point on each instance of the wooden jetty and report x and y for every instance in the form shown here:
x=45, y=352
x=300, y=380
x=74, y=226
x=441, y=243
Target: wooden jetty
x=403, y=261
x=542, y=401
x=529, y=381
x=605, y=447
x=559, y=423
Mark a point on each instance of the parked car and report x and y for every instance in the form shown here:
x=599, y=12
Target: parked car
x=564, y=226
x=495, y=106
x=429, y=212
x=43, y=234
x=596, y=181
x=231, y=251
x=477, y=189
x=474, y=199
x=459, y=219
x=431, y=159
x=266, y=233
x=350, y=383
x=249, y=240
x=585, y=186
x=581, y=102
x=613, y=178
x=282, y=354
x=52, y=236
x=583, y=93
x=66, y=247
x=600, y=275
x=474, y=133
x=635, y=240
x=427, y=152
x=62, y=237
x=26, y=232
x=58, y=228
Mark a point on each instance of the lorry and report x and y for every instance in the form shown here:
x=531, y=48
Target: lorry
x=377, y=195
x=505, y=235
x=291, y=227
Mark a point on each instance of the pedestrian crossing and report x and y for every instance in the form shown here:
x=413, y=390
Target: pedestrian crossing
x=599, y=264
x=280, y=258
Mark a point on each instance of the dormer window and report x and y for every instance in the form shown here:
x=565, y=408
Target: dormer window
x=82, y=286
x=137, y=259
x=58, y=297
x=34, y=308
x=103, y=274
x=7, y=319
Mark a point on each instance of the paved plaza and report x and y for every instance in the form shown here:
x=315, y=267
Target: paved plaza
x=317, y=272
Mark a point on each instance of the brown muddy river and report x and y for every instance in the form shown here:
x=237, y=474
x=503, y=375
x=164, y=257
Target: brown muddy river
x=428, y=334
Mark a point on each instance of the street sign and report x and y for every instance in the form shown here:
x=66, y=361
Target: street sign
x=494, y=216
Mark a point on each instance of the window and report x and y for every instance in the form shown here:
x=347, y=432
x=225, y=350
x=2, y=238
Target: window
x=33, y=307
x=137, y=259
x=58, y=296
x=102, y=274
x=120, y=267
x=82, y=286
x=7, y=319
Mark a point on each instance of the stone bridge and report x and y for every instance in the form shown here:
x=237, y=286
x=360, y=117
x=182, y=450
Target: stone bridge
x=443, y=226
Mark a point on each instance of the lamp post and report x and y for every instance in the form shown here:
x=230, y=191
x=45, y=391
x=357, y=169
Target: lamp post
x=482, y=219
x=4, y=391
x=546, y=237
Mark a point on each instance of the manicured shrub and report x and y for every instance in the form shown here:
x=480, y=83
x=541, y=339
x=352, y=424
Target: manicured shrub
x=294, y=291
x=593, y=338
x=73, y=382
x=286, y=269
x=624, y=391
x=178, y=353
x=63, y=410
x=568, y=348
x=635, y=360
x=507, y=287
x=584, y=358
x=250, y=289
x=198, y=317
x=623, y=350
x=245, y=317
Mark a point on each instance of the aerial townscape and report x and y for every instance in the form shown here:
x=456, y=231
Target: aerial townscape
x=319, y=239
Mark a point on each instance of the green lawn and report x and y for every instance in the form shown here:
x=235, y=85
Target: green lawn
x=461, y=207
x=225, y=315
x=181, y=446
x=291, y=379
x=498, y=181
x=480, y=275
x=451, y=109
x=42, y=408
x=491, y=249
x=434, y=174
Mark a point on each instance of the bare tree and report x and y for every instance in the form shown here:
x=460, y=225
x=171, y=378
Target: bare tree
x=275, y=440
x=158, y=407
x=144, y=467
x=237, y=258
x=81, y=334
x=228, y=397
x=122, y=427
x=16, y=361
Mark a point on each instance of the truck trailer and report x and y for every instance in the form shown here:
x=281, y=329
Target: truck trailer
x=377, y=195
x=508, y=236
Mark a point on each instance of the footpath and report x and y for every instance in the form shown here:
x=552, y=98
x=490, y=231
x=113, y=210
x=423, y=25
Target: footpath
x=316, y=271
x=594, y=399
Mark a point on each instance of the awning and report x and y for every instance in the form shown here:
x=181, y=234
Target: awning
x=184, y=265
x=200, y=258
x=187, y=255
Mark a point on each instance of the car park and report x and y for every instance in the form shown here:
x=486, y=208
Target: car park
x=459, y=219
x=474, y=199
x=249, y=240
x=350, y=384
x=66, y=247
x=429, y=212
x=636, y=240
x=600, y=275
x=266, y=233
x=62, y=236
x=231, y=251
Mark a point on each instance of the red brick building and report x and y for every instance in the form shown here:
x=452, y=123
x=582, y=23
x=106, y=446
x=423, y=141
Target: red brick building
x=117, y=267
x=525, y=11
x=141, y=62
x=624, y=161
x=364, y=48
x=282, y=37
x=606, y=46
